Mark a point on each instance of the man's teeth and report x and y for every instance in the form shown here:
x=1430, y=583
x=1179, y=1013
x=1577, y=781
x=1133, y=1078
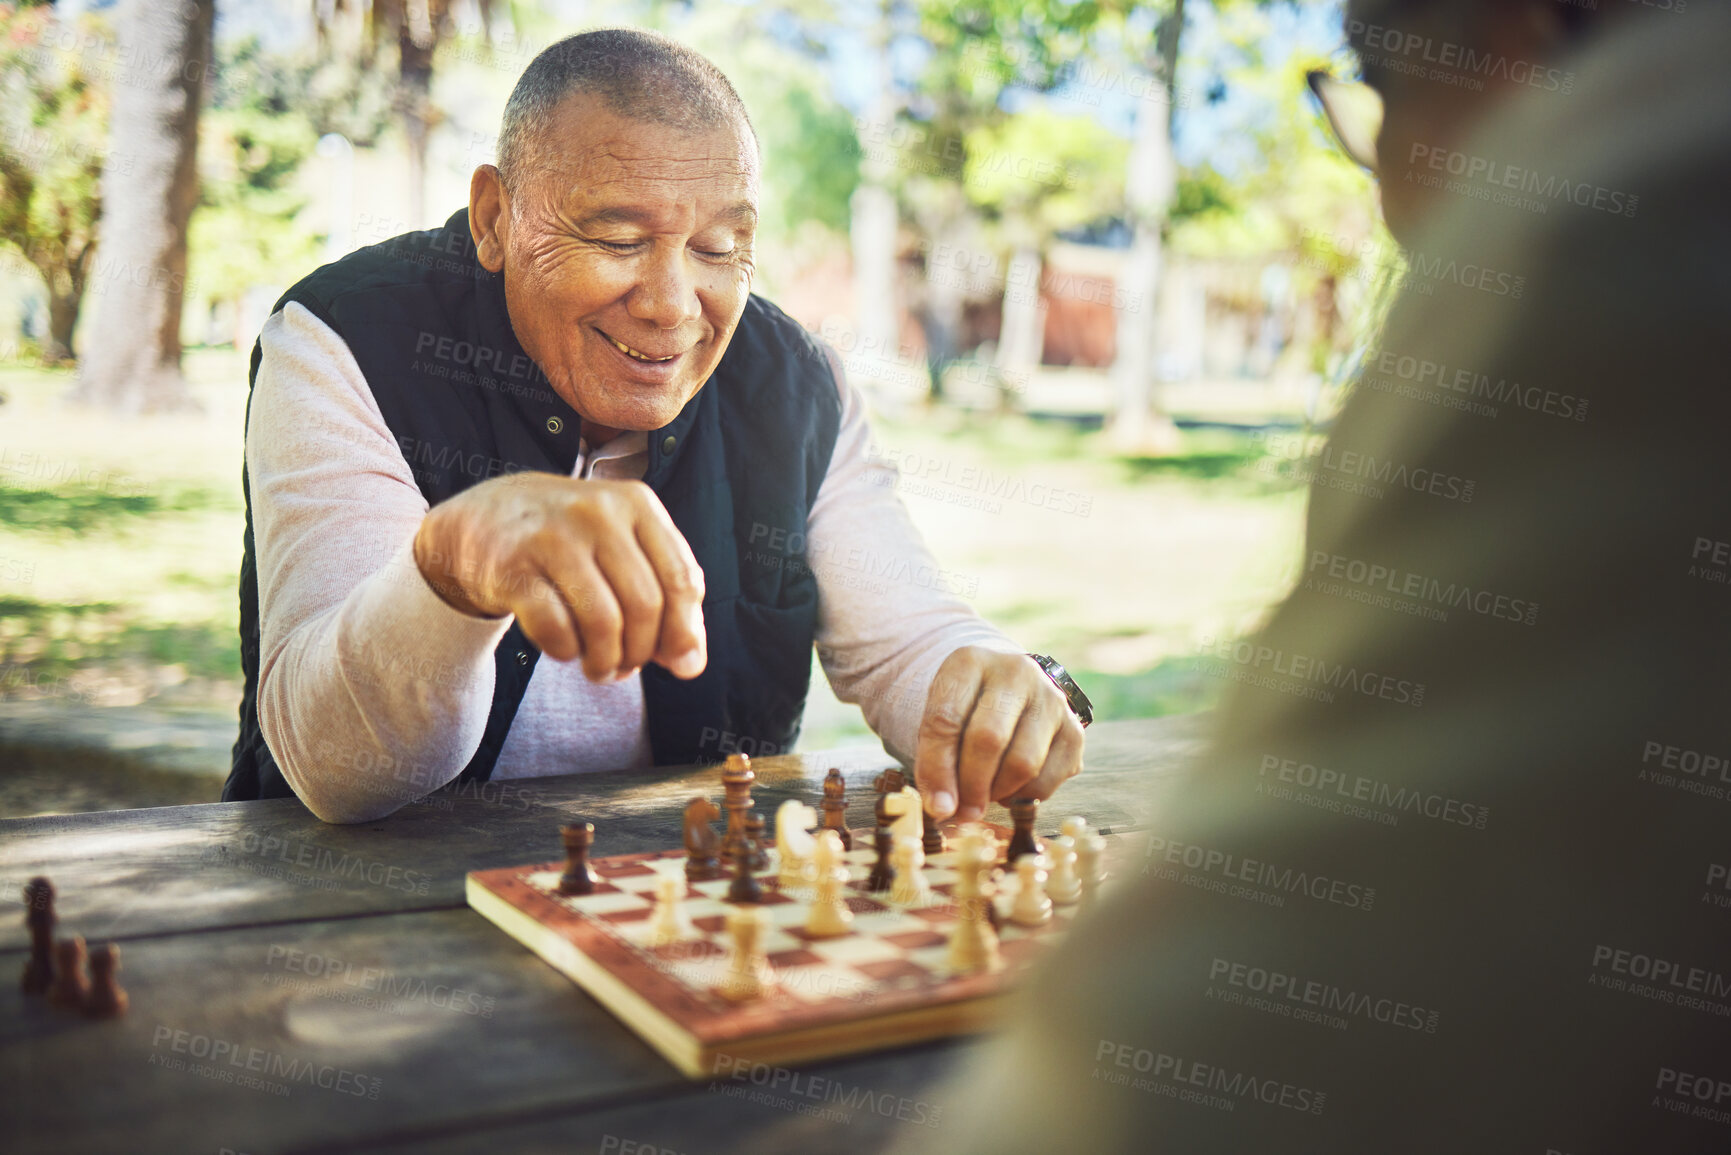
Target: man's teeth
x=630, y=352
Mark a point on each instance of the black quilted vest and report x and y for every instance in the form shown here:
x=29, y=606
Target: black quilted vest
x=738, y=468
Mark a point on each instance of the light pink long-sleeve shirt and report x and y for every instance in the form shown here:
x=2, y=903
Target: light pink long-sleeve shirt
x=373, y=691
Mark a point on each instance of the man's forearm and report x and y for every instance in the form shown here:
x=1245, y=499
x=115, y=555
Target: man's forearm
x=381, y=699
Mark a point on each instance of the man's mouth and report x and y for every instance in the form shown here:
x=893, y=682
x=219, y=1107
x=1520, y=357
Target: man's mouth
x=636, y=354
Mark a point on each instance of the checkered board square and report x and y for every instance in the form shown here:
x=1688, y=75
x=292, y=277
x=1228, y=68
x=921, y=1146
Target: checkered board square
x=883, y=984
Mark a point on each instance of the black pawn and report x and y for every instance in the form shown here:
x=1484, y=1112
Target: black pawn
x=39, y=917
x=931, y=836
x=579, y=876
x=755, y=857
x=883, y=875
x=1022, y=840
x=744, y=887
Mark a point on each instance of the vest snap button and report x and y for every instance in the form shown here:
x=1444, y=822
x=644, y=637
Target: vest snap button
x=668, y=442
x=522, y=658
x=554, y=425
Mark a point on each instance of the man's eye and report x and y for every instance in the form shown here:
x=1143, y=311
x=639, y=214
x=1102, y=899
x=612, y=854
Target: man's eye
x=715, y=253
x=619, y=246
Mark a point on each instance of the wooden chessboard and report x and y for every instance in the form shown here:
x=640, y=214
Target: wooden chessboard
x=879, y=986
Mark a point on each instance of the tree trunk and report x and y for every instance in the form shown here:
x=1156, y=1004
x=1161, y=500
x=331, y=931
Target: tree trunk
x=872, y=226
x=1022, y=321
x=131, y=363
x=1138, y=426
x=415, y=47
x=62, y=319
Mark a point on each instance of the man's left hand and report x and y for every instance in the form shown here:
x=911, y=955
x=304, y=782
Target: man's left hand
x=995, y=727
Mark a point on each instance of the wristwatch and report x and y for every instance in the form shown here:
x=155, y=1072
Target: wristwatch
x=1079, y=704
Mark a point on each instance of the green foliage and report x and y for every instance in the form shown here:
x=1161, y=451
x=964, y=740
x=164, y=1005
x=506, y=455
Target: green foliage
x=266, y=115
x=1040, y=165
x=812, y=158
x=53, y=136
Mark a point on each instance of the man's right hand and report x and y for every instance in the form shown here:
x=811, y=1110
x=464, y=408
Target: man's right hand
x=594, y=569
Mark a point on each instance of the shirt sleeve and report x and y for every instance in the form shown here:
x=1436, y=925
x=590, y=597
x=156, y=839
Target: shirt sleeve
x=372, y=690
x=889, y=614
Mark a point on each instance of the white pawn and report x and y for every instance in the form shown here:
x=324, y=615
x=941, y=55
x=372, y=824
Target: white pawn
x=1032, y=907
x=829, y=915
x=910, y=888
x=1073, y=828
x=668, y=922
x=1063, y=888
x=748, y=975
x=793, y=842
x=1089, y=850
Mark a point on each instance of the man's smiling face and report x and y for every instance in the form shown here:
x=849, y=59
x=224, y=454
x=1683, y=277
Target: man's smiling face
x=627, y=255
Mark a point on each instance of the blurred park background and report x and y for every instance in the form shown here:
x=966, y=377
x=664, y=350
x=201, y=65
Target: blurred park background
x=1096, y=265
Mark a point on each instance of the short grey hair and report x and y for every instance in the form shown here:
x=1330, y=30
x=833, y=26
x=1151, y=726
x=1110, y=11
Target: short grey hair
x=642, y=75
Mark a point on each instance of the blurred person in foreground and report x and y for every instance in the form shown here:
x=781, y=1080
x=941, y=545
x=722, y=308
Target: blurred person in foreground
x=1453, y=874
x=548, y=490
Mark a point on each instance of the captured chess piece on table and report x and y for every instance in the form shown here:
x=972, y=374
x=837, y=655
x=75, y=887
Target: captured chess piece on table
x=106, y=1000
x=39, y=919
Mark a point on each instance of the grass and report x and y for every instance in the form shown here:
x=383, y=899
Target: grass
x=120, y=544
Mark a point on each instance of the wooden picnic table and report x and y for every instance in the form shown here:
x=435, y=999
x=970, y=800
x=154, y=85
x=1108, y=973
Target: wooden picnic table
x=267, y=952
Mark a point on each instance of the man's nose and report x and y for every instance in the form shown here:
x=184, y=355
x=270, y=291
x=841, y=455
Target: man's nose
x=666, y=293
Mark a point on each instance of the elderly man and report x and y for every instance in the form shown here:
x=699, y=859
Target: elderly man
x=547, y=489
x=1453, y=877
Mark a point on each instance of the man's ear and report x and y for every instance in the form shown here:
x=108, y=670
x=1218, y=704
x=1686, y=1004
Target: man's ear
x=489, y=217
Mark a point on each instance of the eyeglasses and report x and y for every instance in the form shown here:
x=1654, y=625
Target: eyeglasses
x=1354, y=111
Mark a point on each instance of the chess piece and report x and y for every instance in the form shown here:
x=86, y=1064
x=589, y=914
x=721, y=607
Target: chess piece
x=1031, y=907
x=744, y=887
x=1073, y=828
x=931, y=835
x=834, y=807
x=829, y=914
x=883, y=873
x=39, y=917
x=973, y=945
x=910, y=887
x=793, y=842
x=579, y=876
x=887, y=783
x=70, y=987
x=755, y=856
x=668, y=922
x=1064, y=888
x=1090, y=866
x=701, y=841
x=106, y=1000
x=1022, y=840
x=903, y=810
x=736, y=780
x=748, y=975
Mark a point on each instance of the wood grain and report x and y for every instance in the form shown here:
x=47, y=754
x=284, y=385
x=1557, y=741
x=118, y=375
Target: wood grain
x=138, y=873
